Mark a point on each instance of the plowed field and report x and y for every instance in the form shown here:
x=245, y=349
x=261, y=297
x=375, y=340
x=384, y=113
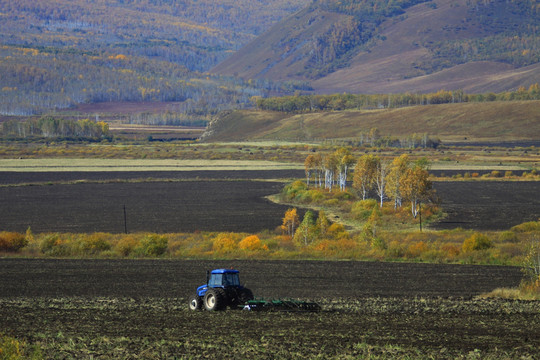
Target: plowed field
x=217, y=201
x=137, y=309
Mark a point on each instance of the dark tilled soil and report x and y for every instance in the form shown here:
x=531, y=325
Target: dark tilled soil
x=488, y=205
x=218, y=201
x=159, y=207
x=66, y=176
x=138, y=309
x=305, y=279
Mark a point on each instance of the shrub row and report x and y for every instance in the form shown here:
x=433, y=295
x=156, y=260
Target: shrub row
x=506, y=247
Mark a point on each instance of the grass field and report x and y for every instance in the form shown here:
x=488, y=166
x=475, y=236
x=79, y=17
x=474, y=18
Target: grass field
x=85, y=164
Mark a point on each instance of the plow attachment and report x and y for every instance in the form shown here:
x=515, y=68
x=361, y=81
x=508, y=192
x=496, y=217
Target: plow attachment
x=281, y=305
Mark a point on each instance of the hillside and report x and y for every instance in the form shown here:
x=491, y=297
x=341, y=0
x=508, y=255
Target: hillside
x=59, y=53
x=490, y=121
x=399, y=46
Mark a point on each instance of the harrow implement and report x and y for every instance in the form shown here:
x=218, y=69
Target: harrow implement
x=281, y=305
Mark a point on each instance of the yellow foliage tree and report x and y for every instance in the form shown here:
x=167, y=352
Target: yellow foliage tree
x=290, y=222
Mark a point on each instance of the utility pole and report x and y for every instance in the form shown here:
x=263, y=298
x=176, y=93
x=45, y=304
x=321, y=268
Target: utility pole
x=125, y=219
x=420, y=213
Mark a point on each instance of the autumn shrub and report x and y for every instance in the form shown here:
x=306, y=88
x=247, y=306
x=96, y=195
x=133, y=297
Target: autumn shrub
x=152, y=245
x=336, y=231
x=527, y=227
x=285, y=242
x=475, y=242
x=12, y=241
x=126, y=245
x=396, y=249
x=291, y=191
x=252, y=243
x=361, y=210
x=92, y=244
x=53, y=245
x=316, y=196
x=343, y=195
x=378, y=243
x=331, y=202
x=416, y=249
x=451, y=251
x=509, y=252
x=508, y=236
x=224, y=243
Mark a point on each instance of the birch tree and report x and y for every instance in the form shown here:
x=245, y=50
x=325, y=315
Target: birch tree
x=309, y=165
x=344, y=161
x=305, y=234
x=290, y=222
x=364, y=174
x=382, y=168
x=398, y=170
x=330, y=166
x=416, y=187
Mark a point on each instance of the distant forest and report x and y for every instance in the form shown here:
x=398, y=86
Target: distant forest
x=56, y=54
x=315, y=103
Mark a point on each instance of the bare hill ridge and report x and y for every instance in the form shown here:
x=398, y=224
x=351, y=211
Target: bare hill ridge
x=433, y=45
x=491, y=121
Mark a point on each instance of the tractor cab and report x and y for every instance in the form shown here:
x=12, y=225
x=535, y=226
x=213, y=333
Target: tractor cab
x=223, y=278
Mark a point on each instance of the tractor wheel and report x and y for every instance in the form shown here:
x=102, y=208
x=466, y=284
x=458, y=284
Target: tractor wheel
x=195, y=302
x=215, y=299
x=245, y=295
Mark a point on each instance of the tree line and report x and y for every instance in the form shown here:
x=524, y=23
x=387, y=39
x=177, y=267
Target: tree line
x=50, y=127
x=336, y=102
x=399, y=179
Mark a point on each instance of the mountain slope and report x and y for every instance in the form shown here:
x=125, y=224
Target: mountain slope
x=59, y=53
x=489, y=121
x=473, y=45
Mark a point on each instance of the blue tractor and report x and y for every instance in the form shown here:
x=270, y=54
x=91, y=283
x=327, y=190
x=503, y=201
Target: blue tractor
x=222, y=290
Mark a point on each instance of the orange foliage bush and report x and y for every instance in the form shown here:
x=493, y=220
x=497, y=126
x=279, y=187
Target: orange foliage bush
x=12, y=241
x=126, y=245
x=252, y=243
x=416, y=249
x=451, y=250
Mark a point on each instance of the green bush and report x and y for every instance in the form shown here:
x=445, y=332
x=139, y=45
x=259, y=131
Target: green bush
x=508, y=236
x=53, y=245
x=527, y=227
x=291, y=191
x=93, y=244
x=362, y=209
x=476, y=241
x=153, y=245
